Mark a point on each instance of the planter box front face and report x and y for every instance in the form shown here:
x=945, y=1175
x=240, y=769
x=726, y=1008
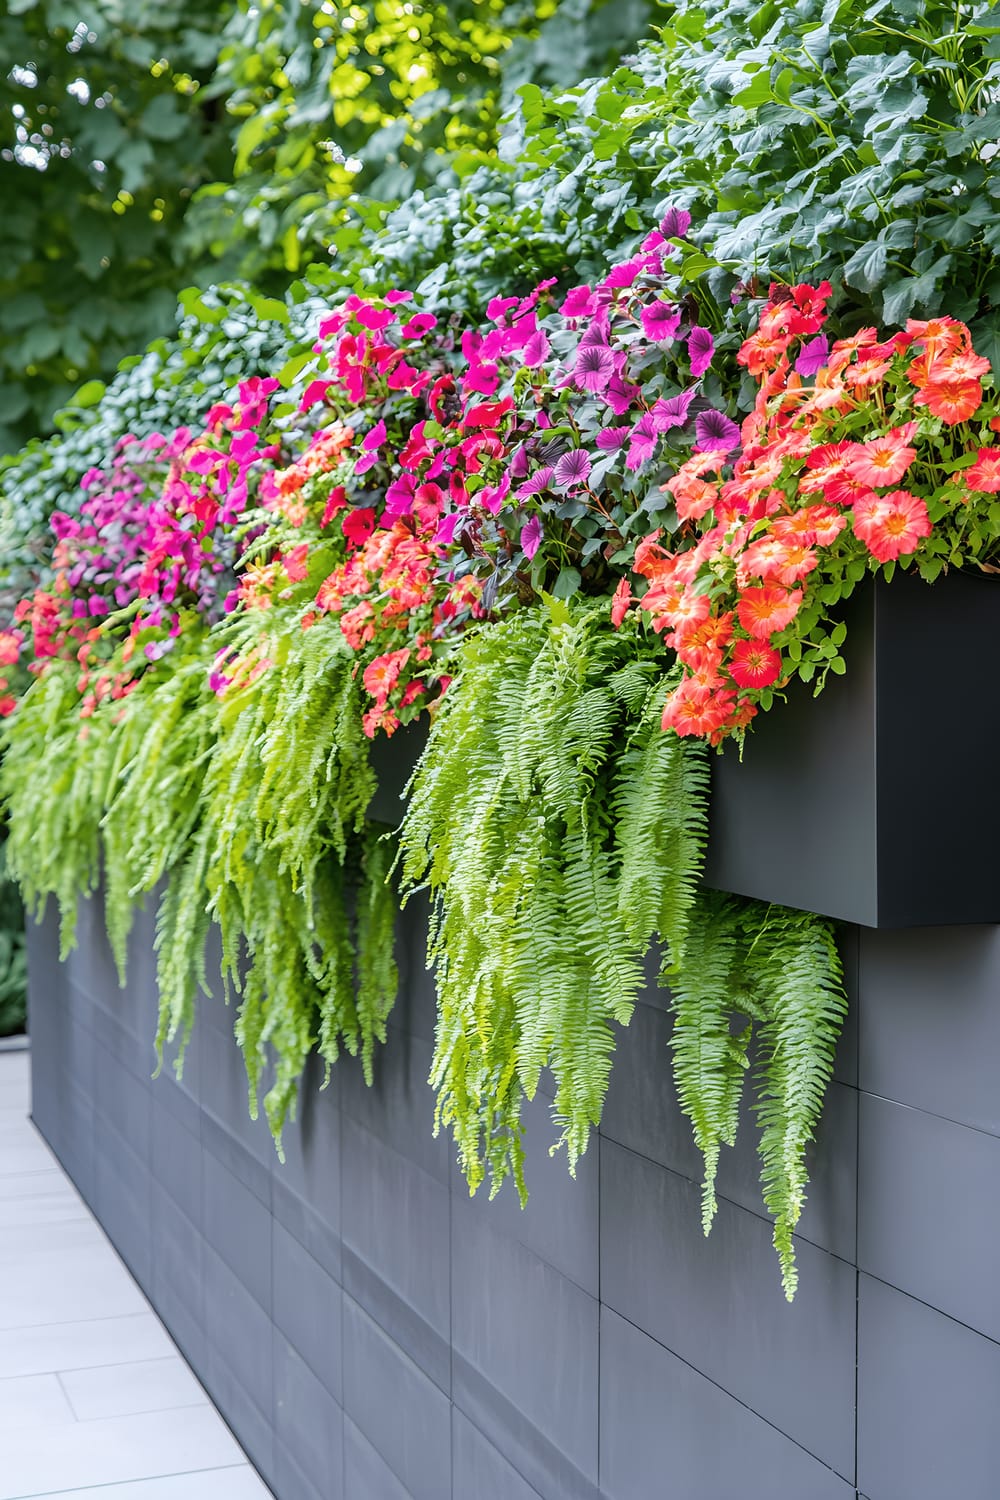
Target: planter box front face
x=874, y=803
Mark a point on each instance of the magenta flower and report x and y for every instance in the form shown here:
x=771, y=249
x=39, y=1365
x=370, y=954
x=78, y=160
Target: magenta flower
x=540, y=480
x=701, y=347
x=579, y=302
x=531, y=537
x=620, y=394
x=660, y=322
x=537, y=349
x=595, y=365
x=675, y=223
x=672, y=411
x=610, y=439
x=714, y=430
x=642, y=442
x=813, y=356
x=418, y=325
x=573, y=468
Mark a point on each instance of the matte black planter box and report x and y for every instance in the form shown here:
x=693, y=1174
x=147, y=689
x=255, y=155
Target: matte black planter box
x=875, y=802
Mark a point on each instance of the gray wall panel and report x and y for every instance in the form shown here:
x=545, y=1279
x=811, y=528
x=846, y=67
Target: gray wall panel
x=397, y=1407
x=663, y=1275
x=929, y=1210
x=928, y=1391
x=371, y=1333
x=930, y=1022
x=667, y=1433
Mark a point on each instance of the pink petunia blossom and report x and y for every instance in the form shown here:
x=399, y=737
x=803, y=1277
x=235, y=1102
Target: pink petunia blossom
x=701, y=347
x=573, y=468
x=531, y=537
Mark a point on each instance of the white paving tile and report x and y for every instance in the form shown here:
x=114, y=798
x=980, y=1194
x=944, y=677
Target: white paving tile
x=212, y=1484
x=48, y=1205
x=49, y=1459
x=83, y=1344
x=125, y=1389
x=18, y=1185
x=32, y=1401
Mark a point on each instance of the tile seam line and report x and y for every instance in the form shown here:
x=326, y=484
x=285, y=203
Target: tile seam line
x=738, y=1399
x=934, y=1114
x=724, y=1198
x=113, y=1484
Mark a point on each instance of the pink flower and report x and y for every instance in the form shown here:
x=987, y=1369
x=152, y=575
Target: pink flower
x=573, y=468
x=701, y=347
x=660, y=322
x=531, y=537
x=595, y=365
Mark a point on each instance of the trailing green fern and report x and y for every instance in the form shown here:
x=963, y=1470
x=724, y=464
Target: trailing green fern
x=55, y=780
x=749, y=967
x=559, y=830
x=560, y=833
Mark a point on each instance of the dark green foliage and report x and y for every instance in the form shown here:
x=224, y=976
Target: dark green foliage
x=152, y=145
x=822, y=138
x=104, y=137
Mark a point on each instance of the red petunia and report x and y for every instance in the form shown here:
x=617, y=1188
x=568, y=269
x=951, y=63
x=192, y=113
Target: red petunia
x=754, y=664
x=763, y=611
x=884, y=460
x=952, y=400
x=892, y=525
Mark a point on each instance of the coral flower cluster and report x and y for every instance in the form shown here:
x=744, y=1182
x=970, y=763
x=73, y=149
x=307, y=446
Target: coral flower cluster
x=855, y=456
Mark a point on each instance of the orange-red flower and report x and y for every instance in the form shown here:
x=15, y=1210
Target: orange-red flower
x=754, y=664
x=620, y=603
x=892, y=525
x=688, y=711
x=763, y=611
x=952, y=400
x=884, y=460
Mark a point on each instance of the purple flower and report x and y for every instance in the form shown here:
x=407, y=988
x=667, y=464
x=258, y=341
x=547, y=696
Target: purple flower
x=620, y=394
x=625, y=272
x=660, y=322
x=713, y=429
x=597, y=332
x=813, y=356
x=531, y=536
x=610, y=439
x=573, y=468
x=675, y=223
x=642, y=442
x=518, y=466
x=672, y=411
x=537, y=349
x=595, y=365
x=445, y=533
x=540, y=480
x=701, y=347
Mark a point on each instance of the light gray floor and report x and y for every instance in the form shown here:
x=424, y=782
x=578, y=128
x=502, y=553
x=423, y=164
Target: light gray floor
x=95, y=1401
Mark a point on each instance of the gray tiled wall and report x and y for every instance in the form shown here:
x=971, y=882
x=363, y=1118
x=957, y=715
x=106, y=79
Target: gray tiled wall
x=371, y=1333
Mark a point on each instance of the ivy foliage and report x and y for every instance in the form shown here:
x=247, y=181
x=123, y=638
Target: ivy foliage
x=560, y=833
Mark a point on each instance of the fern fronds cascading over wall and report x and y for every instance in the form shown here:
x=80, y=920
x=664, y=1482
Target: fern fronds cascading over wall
x=249, y=811
x=561, y=833
x=558, y=830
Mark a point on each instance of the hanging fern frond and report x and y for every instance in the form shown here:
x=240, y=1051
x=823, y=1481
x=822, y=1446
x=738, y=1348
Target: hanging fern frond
x=548, y=816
